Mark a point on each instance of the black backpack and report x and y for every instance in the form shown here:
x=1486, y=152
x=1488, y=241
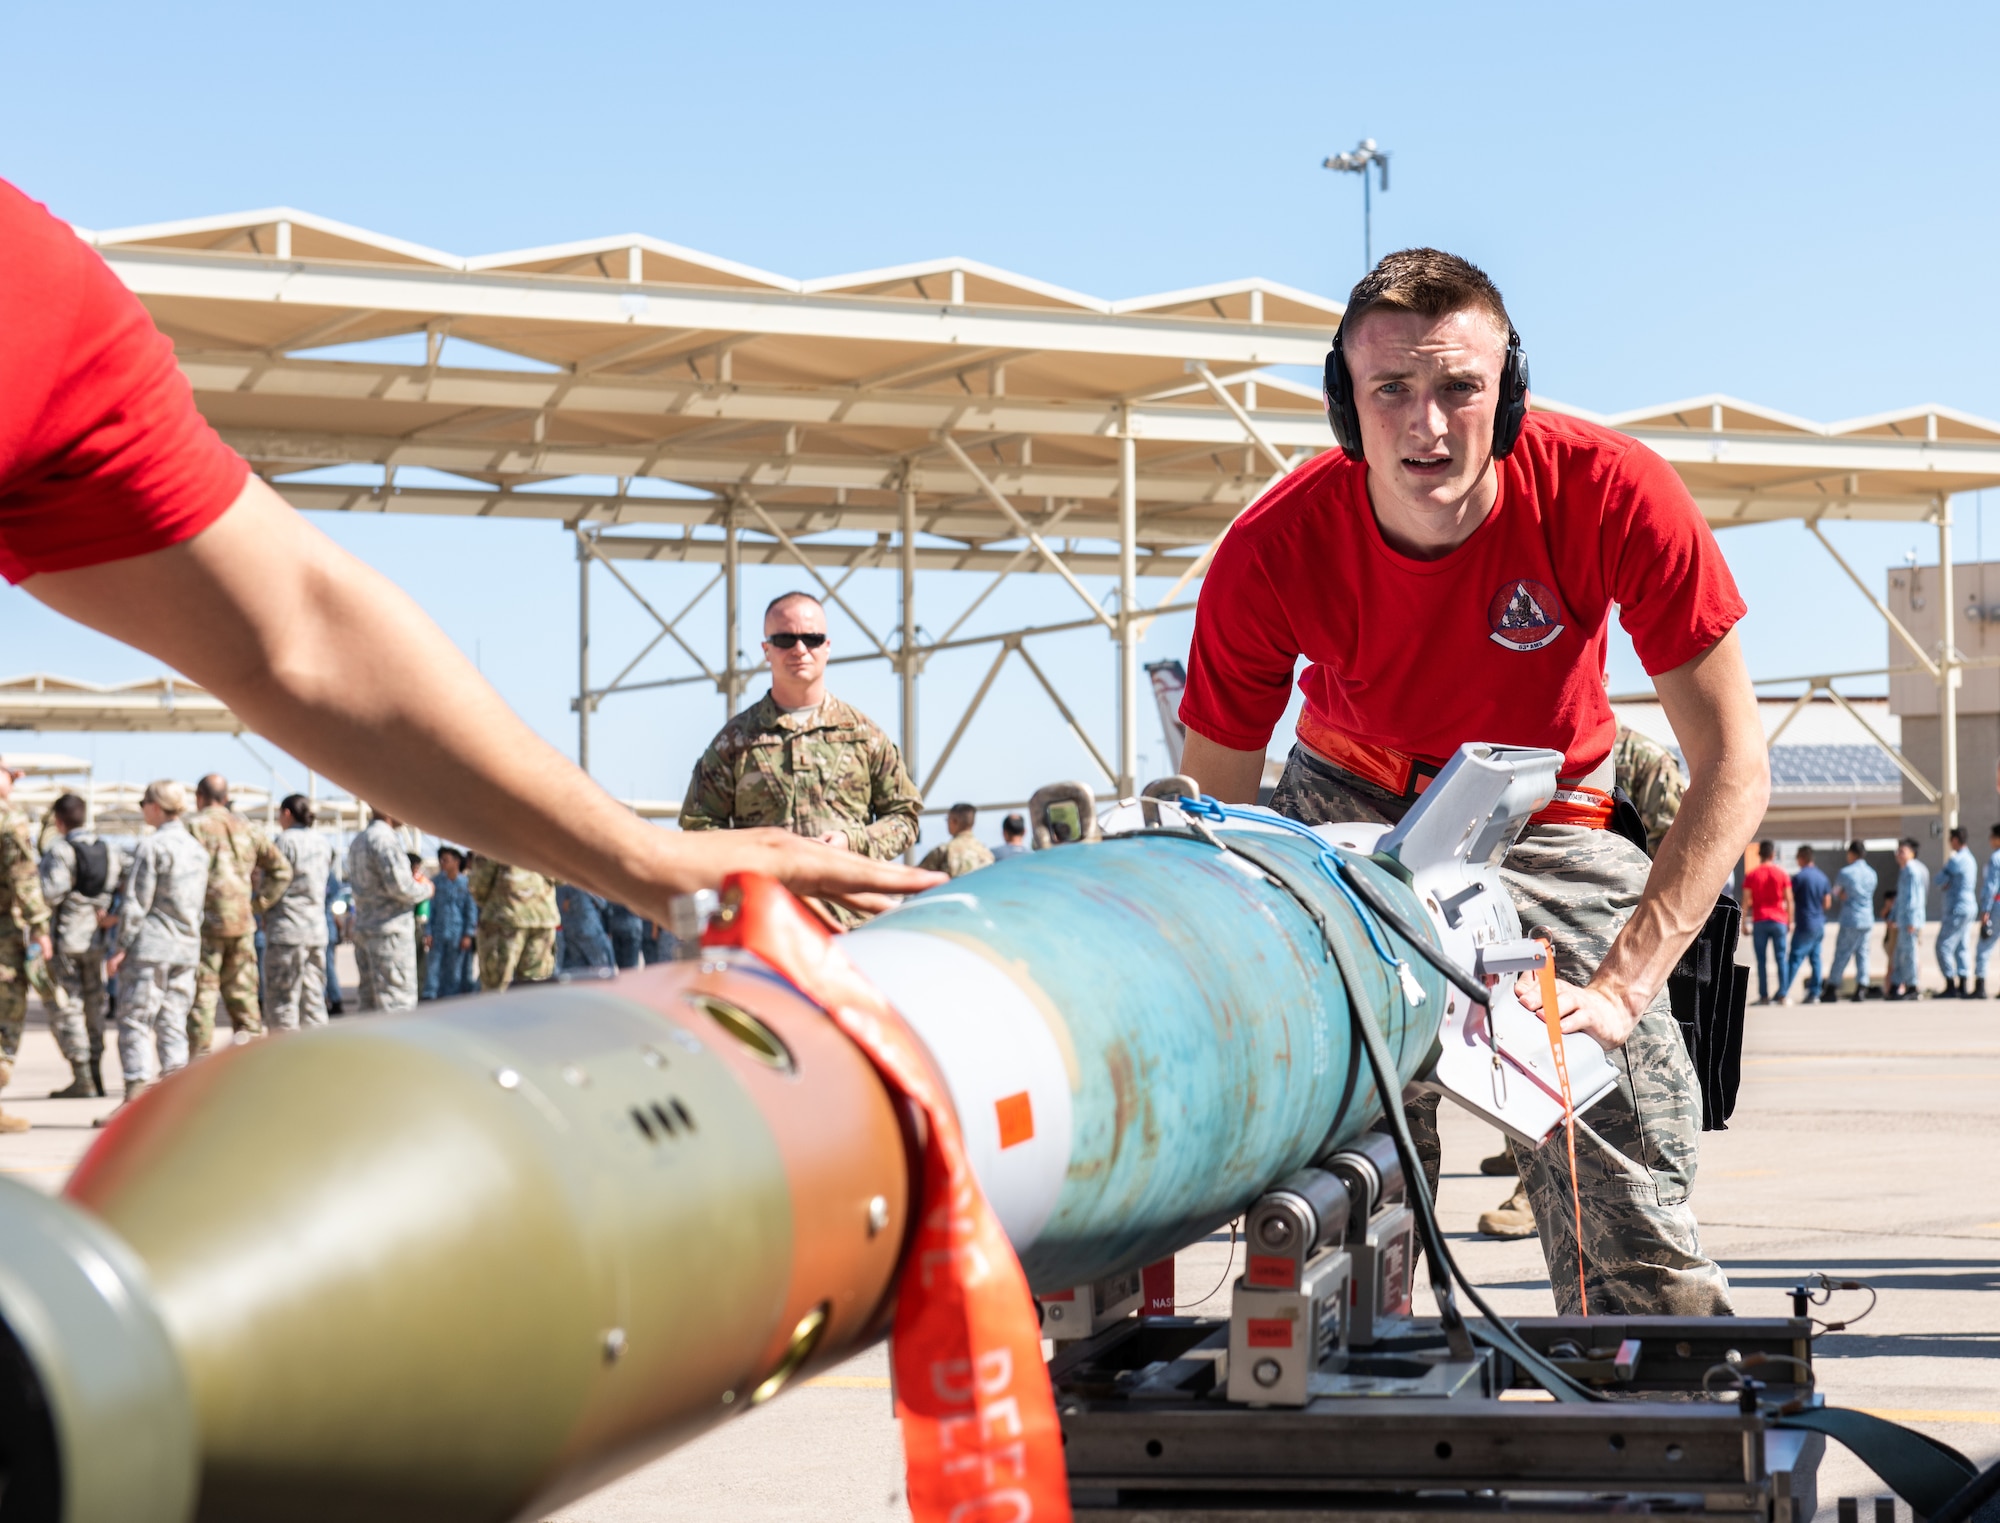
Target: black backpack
x=1708, y=990
x=93, y=867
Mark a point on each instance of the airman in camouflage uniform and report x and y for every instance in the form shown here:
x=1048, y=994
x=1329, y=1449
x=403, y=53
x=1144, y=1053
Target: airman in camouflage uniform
x=1636, y=1148
x=516, y=940
x=833, y=772
x=1649, y=776
x=24, y=916
x=1651, y=779
x=239, y=855
x=964, y=852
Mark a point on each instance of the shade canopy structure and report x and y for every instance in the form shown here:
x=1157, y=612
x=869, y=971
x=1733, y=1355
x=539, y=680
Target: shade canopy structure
x=928, y=417
x=160, y=705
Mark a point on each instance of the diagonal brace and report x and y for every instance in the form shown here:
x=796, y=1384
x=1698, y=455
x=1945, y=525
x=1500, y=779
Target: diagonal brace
x=1021, y=524
x=965, y=719
x=1069, y=718
x=771, y=527
x=1917, y=779
x=1243, y=420
x=1895, y=624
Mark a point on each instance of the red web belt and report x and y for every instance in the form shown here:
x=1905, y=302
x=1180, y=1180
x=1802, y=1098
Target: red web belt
x=1407, y=776
x=980, y=1436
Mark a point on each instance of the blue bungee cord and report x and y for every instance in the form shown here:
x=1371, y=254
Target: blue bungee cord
x=1214, y=811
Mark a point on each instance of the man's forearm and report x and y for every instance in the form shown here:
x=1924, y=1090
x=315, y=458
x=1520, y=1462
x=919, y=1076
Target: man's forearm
x=1721, y=812
x=313, y=650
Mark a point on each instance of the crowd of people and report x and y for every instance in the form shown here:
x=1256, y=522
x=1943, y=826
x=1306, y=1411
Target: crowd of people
x=140, y=948
x=1788, y=917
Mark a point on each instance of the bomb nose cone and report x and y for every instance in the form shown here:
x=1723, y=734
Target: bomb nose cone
x=86, y=1369
x=457, y=1264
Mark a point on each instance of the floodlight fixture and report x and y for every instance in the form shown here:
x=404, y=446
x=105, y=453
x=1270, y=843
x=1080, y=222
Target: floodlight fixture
x=1358, y=160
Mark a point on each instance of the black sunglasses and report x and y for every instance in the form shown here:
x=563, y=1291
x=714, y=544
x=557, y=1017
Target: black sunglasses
x=786, y=640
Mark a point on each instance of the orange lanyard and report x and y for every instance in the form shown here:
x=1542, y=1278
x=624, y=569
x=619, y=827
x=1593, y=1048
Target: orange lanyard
x=1552, y=1015
x=981, y=1442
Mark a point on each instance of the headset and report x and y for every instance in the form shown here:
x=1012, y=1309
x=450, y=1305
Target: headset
x=1507, y=419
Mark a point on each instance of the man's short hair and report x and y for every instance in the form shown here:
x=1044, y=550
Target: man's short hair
x=966, y=812
x=1013, y=827
x=1861, y=850
x=1766, y=850
x=1428, y=282
x=453, y=852
x=72, y=810
x=791, y=597
x=1911, y=842
x=213, y=789
x=168, y=796
x=1958, y=834
x=1805, y=854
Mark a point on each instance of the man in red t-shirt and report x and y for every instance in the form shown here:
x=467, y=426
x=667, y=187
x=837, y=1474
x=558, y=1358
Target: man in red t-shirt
x=1769, y=888
x=1448, y=576
x=120, y=507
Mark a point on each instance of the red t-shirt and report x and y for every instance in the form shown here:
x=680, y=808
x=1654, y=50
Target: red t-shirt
x=1766, y=884
x=102, y=454
x=1501, y=640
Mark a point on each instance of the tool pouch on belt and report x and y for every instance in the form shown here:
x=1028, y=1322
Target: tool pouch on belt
x=1707, y=991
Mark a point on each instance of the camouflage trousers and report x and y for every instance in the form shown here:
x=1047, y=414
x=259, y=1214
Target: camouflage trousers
x=228, y=974
x=1637, y=1147
x=83, y=1004
x=386, y=958
x=153, y=1003
x=13, y=990
x=510, y=956
x=294, y=987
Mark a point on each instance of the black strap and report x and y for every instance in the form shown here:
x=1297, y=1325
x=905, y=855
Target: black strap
x=1927, y=1474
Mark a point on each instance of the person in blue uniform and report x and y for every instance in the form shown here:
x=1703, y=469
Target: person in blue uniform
x=584, y=942
x=1957, y=883
x=454, y=962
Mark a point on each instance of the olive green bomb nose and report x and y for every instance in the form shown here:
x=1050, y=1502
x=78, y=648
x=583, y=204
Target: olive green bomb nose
x=457, y=1266
x=96, y=1421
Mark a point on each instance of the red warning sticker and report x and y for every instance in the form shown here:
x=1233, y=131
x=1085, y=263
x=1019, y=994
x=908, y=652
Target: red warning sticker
x=1271, y=1332
x=1270, y=1271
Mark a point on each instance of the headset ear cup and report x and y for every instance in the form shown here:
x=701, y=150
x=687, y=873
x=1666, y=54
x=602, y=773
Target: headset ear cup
x=1512, y=412
x=1341, y=413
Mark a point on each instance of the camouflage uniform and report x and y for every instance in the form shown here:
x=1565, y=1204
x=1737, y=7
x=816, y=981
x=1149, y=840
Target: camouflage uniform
x=83, y=1005
x=518, y=918
x=386, y=894
x=962, y=854
x=1652, y=780
x=1637, y=1147
x=237, y=852
x=24, y=914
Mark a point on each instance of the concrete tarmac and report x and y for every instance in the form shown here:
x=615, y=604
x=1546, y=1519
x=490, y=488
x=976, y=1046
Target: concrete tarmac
x=1859, y=1147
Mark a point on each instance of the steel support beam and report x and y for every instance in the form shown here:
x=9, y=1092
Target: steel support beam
x=907, y=659
x=583, y=698
x=1128, y=632
x=1948, y=675
x=732, y=621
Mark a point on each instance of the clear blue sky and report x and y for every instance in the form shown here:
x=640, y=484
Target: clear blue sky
x=1792, y=204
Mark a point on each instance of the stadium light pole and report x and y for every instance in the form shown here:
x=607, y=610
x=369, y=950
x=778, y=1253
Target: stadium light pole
x=1356, y=162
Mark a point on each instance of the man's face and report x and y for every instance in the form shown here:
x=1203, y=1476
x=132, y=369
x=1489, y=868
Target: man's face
x=1426, y=389
x=1904, y=855
x=799, y=667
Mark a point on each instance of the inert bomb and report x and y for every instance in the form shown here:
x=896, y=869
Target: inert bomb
x=471, y=1262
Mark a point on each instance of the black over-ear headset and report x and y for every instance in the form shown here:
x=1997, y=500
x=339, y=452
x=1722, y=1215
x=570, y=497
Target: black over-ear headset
x=1345, y=417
